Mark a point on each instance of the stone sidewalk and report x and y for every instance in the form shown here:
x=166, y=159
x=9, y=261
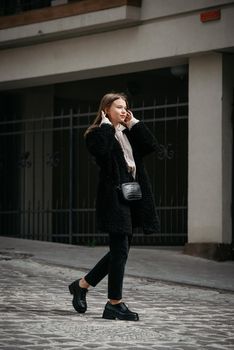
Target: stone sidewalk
x=159, y=263
x=36, y=312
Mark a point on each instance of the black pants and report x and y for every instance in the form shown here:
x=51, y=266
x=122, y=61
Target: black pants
x=113, y=264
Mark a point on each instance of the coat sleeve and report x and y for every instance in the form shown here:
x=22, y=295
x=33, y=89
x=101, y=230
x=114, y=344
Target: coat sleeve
x=142, y=139
x=100, y=140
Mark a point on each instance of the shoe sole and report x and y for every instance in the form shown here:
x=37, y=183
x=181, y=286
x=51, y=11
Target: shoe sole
x=75, y=305
x=109, y=316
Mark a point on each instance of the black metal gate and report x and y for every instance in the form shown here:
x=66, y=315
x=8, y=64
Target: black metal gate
x=49, y=181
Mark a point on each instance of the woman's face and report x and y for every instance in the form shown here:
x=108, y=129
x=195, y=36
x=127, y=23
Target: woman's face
x=117, y=112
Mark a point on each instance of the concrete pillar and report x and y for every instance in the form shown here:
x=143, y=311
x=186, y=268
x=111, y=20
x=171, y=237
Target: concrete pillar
x=210, y=147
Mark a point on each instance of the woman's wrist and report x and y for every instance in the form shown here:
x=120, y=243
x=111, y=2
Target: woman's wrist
x=132, y=122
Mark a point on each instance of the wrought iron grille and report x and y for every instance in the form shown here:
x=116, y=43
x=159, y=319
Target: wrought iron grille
x=49, y=179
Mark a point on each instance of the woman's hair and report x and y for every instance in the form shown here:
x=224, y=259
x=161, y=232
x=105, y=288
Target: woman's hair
x=106, y=102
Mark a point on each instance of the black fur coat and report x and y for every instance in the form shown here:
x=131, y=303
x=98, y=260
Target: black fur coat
x=113, y=214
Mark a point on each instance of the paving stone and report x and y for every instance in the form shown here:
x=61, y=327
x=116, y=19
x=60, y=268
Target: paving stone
x=36, y=313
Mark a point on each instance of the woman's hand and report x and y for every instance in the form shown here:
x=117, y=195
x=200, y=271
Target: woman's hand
x=130, y=120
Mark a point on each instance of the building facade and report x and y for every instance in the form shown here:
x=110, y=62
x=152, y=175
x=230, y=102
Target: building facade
x=174, y=59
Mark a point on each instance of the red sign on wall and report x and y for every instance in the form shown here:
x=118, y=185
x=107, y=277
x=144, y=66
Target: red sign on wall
x=212, y=15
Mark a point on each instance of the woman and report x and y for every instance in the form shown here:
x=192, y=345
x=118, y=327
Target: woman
x=118, y=141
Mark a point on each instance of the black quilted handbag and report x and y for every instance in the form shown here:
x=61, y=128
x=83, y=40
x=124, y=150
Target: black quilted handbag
x=131, y=191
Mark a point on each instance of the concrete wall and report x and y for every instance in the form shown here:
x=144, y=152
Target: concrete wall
x=164, y=8
x=154, y=43
x=210, y=142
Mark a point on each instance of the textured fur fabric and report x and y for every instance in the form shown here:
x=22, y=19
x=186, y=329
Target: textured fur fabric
x=113, y=214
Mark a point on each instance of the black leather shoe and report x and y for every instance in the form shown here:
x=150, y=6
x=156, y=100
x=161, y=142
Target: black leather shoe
x=79, y=296
x=119, y=311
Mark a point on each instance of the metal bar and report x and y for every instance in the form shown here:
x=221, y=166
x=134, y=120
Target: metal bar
x=29, y=219
x=24, y=181
x=38, y=220
x=43, y=178
x=71, y=178
x=78, y=115
x=33, y=183
x=55, y=221
x=146, y=120
x=165, y=166
x=48, y=231
x=180, y=207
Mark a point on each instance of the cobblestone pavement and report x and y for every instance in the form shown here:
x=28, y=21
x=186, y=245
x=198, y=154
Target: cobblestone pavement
x=36, y=312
